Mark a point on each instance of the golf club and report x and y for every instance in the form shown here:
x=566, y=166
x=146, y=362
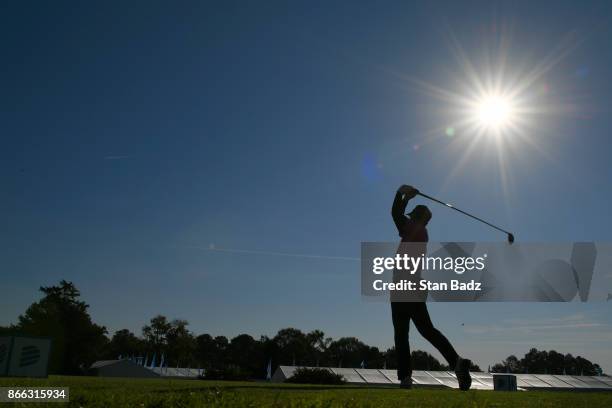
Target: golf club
x=510, y=235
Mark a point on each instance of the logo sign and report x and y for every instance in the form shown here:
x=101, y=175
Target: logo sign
x=24, y=356
x=29, y=355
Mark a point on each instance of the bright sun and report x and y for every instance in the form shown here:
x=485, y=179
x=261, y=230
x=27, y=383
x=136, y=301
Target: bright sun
x=495, y=105
x=494, y=112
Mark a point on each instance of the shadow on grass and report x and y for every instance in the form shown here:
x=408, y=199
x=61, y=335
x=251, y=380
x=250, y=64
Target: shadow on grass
x=312, y=387
x=214, y=388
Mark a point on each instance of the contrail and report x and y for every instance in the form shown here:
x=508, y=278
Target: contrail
x=214, y=248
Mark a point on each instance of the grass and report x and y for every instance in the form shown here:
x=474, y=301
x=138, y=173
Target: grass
x=158, y=393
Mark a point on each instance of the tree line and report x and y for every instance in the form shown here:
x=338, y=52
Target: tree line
x=547, y=362
x=78, y=342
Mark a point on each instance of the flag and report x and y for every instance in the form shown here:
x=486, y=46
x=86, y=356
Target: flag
x=269, y=370
x=153, y=360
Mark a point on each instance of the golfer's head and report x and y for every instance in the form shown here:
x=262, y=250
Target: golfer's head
x=421, y=214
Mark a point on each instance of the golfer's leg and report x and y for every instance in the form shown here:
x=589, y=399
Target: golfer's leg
x=422, y=321
x=401, y=325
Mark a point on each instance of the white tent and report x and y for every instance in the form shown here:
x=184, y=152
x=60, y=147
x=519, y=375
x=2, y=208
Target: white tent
x=120, y=368
x=447, y=379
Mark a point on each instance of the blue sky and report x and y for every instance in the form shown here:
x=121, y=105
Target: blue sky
x=135, y=136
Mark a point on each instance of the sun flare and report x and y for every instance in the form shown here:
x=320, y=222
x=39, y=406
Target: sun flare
x=494, y=112
x=497, y=104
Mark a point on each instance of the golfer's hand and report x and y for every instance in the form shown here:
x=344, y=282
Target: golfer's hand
x=409, y=191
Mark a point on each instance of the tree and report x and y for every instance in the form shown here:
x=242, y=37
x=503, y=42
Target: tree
x=211, y=352
x=390, y=358
x=77, y=341
x=585, y=367
x=346, y=352
x=125, y=343
x=555, y=362
x=207, y=355
x=318, y=345
x=422, y=360
x=547, y=362
x=156, y=334
x=246, y=353
x=534, y=361
x=181, y=344
x=293, y=347
x=221, y=345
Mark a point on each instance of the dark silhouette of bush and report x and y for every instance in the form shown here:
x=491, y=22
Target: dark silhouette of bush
x=315, y=376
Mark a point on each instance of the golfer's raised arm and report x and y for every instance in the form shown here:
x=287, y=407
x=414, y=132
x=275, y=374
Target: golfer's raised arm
x=403, y=195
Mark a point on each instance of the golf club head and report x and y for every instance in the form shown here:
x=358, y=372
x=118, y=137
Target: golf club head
x=510, y=238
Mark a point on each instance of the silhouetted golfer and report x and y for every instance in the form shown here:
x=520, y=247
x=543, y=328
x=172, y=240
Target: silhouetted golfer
x=414, y=229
